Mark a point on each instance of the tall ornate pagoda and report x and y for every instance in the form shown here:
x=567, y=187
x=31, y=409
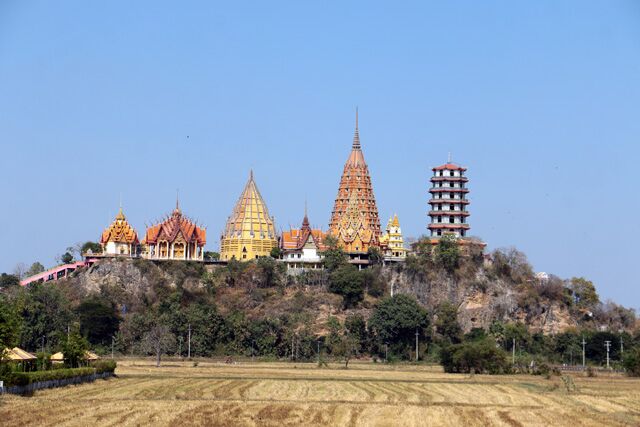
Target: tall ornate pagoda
x=250, y=230
x=354, y=220
x=176, y=238
x=119, y=238
x=449, y=203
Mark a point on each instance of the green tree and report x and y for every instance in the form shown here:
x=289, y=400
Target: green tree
x=395, y=320
x=447, y=252
x=94, y=247
x=631, y=362
x=36, y=268
x=74, y=347
x=478, y=356
x=446, y=323
x=348, y=282
x=584, y=292
x=66, y=258
x=8, y=281
x=45, y=312
x=98, y=320
x=9, y=324
x=356, y=327
x=268, y=268
x=212, y=255
x=333, y=257
x=276, y=253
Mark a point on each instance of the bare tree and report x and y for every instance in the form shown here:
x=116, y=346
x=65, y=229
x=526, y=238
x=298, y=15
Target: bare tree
x=19, y=270
x=158, y=340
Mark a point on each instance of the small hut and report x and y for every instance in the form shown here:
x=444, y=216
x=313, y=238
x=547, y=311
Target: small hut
x=88, y=356
x=20, y=357
x=57, y=357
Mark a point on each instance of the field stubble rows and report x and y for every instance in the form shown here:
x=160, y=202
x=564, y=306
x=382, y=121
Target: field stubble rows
x=286, y=394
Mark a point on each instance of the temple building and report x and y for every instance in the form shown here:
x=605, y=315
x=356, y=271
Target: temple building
x=119, y=238
x=392, y=243
x=175, y=238
x=354, y=220
x=301, y=248
x=250, y=230
x=449, y=201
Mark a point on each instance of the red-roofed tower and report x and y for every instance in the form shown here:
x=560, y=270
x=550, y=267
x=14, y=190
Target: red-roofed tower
x=449, y=201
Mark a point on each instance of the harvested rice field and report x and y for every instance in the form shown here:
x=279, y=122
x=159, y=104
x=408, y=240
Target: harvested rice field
x=281, y=394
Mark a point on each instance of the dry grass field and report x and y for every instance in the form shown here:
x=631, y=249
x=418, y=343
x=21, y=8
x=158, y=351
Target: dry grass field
x=217, y=394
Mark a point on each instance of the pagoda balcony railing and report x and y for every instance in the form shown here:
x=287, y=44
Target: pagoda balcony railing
x=448, y=190
x=448, y=213
x=450, y=178
x=445, y=201
x=448, y=225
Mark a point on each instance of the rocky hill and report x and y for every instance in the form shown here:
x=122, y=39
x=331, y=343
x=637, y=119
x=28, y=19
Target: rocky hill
x=484, y=290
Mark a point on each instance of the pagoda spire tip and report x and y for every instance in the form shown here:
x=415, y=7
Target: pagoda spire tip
x=356, y=135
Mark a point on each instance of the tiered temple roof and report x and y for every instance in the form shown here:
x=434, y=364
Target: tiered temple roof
x=296, y=239
x=354, y=220
x=175, y=226
x=120, y=231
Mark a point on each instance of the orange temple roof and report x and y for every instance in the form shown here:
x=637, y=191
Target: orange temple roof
x=120, y=231
x=175, y=225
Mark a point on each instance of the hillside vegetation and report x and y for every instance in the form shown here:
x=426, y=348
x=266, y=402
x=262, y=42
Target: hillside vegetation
x=254, y=309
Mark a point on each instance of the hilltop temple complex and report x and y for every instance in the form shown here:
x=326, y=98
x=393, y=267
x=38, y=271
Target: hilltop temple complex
x=354, y=220
x=120, y=238
x=250, y=231
x=175, y=238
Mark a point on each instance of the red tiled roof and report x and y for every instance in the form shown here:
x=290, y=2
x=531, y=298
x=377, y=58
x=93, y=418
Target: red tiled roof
x=450, y=166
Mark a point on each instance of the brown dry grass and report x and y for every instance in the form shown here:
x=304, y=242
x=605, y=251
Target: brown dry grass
x=281, y=394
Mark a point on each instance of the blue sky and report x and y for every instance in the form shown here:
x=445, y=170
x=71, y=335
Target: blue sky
x=540, y=100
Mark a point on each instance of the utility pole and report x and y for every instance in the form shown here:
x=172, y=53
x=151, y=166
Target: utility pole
x=513, y=352
x=608, y=345
x=416, y=345
x=112, y=341
x=621, y=347
x=189, y=343
x=583, y=344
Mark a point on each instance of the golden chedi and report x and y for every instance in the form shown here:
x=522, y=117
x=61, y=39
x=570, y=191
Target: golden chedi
x=250, y=230
x=354, y=220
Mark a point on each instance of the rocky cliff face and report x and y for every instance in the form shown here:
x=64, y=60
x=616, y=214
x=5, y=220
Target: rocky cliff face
x=480, y=300
x=479, y=297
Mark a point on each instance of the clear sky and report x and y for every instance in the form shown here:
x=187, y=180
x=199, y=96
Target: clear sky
x=540, y=100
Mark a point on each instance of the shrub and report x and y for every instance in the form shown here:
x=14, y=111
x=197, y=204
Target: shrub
x=26, y=378
x=478, y=356
x=105, y=365
x=632, y=362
